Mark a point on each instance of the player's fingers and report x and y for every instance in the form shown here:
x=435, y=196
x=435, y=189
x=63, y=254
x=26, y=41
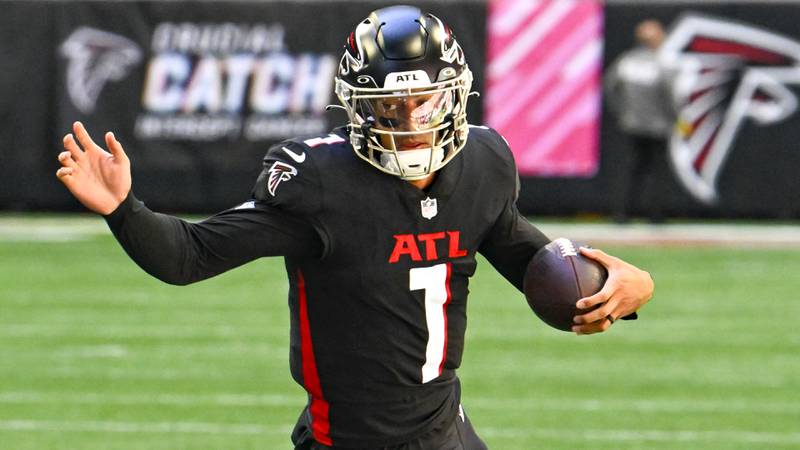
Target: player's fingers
x=596, y=314
x=602, y=296
x=83, y=137
x=115, y=147
x=71, y=146
x=64, y=172
x=591, y=328
x=598, y=255
x=65, y=158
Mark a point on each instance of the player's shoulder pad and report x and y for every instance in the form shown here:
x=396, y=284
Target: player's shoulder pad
x=289, y=178
x=491, y=140
x=494, y=157
x=317, y=144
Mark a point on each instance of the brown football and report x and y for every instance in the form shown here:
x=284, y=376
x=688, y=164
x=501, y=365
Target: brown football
x=556, y=278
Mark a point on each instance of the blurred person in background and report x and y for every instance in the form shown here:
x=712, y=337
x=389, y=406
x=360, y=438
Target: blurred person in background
x=637, y=88
x=379, y=222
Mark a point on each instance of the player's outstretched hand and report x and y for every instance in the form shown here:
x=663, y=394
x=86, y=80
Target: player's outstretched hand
x=625, y=291
x=98, y=179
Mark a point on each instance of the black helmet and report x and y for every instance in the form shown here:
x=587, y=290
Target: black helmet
x=404, y=83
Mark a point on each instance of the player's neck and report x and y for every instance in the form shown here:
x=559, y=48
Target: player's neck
x=423, y=183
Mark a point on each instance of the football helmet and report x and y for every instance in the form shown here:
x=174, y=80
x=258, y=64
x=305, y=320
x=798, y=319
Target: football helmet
x=404, y=83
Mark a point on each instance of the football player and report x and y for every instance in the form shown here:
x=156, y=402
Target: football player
x=379, y=223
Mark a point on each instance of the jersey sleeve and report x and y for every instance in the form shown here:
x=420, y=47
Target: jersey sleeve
x=512, y=240
x=289, y=179
x=181, y=252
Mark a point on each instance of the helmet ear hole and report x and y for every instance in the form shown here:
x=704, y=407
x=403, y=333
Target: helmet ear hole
x=446, y=74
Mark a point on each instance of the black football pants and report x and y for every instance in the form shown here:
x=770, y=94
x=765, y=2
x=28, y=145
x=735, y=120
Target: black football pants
x=456, y=435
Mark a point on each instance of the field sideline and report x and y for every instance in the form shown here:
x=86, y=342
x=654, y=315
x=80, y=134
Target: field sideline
x=778, y=235
x=98, y=355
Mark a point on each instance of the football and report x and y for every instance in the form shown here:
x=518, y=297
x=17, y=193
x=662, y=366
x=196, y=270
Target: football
x=556, y=278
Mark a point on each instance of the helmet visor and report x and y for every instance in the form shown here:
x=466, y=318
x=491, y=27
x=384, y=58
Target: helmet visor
x=402, y=112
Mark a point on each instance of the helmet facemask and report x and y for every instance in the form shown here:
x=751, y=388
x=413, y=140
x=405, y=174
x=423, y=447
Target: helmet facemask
x=404, y=83
x=409, y=132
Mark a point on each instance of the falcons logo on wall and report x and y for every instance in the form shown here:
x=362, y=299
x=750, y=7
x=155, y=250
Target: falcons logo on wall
x=95, y=57
x=277, y=173
x=725, y=72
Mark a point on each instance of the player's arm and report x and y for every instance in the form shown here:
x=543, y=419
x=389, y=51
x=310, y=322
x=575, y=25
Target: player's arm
x=169, y=248
x=180, y=252
x=511, y=243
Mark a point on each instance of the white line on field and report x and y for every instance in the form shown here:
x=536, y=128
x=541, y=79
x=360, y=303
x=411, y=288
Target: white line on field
x=70, y=227
x=667, y=374
x=489, y=403
x=50, y=230
x=142, y=427
x=93, y=351
x=33, y=237
x=82, y=372
x=698, y=234
x=171, y=351
x=256, y=429
x=771, y=437
x=194, y=373
x=76, y=329
x=687, y=405
x=237, y=400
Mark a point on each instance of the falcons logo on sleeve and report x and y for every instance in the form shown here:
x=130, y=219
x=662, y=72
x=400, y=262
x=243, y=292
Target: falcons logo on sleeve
x=725, y=72
x=277, y=173
x=95, y=57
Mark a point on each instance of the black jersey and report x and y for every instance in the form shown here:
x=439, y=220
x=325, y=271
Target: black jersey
x=378, y=273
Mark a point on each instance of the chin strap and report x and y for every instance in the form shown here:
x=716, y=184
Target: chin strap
x=427, y=158
x=366, y=130
x=360, y=143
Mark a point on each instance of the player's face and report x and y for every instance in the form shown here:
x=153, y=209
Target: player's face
x=416, y=113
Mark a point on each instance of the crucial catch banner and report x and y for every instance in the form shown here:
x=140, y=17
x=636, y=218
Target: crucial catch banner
x=202, y=81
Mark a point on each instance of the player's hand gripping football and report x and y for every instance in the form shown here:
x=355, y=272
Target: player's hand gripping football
x=626, y=290
x=98, y=179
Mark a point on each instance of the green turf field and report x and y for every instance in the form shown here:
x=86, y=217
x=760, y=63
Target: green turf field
x=97, y=355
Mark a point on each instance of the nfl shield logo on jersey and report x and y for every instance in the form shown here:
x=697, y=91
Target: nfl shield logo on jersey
x=429, y=210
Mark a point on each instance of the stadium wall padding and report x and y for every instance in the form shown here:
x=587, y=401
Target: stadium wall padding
x=759, y=178
x=145, y=70
x=195, y=91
